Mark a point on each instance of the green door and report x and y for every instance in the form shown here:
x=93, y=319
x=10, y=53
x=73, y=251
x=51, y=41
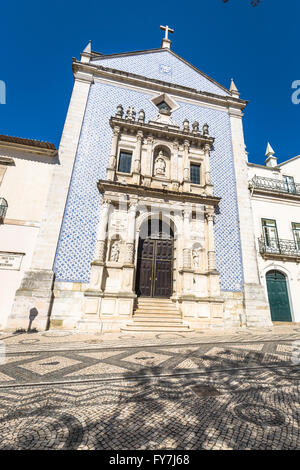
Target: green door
x=278, y=296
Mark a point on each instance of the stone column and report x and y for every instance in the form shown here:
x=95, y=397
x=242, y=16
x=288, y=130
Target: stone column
x=174, y=165
x=137, y=158
x=129, y=256
x=114, y=147
x=102, y=232
x=186, y=166
x=207, y=164
x=211, y=242
x=148, y=172
x=186, y=169
x=111, y=170
x=186, y=234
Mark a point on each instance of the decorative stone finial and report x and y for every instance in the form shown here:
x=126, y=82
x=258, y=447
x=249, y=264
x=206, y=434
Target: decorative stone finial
x=195, y=127
x=205, y=129
x=88, y=47
x=271, y=160
x=141, y=116
x=86, y=54
x=130, y=114
x=269, y=152
x=120, y=111
x=233, y=89
x=186, y=126
x=166, y=43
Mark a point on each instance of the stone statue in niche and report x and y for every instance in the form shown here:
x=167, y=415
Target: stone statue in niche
x=196, y=260
x=160, y=164
x=115, y=252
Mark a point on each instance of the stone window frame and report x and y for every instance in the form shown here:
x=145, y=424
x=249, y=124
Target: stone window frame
x=155, y=100
x=124, y=150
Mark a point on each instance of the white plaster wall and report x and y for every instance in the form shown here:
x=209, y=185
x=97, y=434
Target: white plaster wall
x=292, y=168
x=26, y=184
x=14, y=238
x=284, y=212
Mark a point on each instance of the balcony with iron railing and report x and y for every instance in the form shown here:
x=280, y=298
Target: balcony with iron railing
x=279, y=249
x=262, y=183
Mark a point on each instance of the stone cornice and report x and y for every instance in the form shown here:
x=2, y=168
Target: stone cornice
x=159, y=85
x=142, y=191
x=159, y=130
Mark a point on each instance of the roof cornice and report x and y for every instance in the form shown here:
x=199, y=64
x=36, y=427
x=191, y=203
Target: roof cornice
x=159, y=85
x=28, y=145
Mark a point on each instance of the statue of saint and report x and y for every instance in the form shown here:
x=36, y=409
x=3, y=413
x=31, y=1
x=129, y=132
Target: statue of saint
x=115, y=252
x=195, y=255
x=160, y=164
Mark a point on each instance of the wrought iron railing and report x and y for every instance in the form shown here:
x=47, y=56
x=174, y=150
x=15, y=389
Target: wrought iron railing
x=279, y=247
x=270, y=184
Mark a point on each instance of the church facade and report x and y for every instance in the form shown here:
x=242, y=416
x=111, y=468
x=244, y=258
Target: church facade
x=148, y=221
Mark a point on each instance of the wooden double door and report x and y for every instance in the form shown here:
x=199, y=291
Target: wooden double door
x=154, y=268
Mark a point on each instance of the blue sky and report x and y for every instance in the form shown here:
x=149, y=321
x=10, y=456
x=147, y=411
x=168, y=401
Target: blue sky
x=258, y=47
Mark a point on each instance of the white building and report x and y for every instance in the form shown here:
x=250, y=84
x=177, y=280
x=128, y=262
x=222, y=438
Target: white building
x=147, y=222
x=275, y=199
x=26, y=167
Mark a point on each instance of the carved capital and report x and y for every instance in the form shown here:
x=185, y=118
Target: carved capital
x=186, y=144
x=116, y=131
x=133, y=206
x=150, y=139
x=210, y=217
x=139, y=136
x=175, y=145
x=105, y=203
x=207, y=149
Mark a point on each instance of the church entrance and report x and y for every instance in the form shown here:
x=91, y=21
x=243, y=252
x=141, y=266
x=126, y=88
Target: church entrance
x=155, y=264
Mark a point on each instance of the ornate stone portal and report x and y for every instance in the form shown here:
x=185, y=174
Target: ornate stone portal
x=156, y=189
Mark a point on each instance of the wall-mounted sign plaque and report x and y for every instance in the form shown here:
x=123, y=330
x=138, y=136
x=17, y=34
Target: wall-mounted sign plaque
x=9, y=260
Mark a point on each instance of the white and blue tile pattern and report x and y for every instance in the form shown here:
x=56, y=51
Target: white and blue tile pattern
x=78, y=233
x=162, y=65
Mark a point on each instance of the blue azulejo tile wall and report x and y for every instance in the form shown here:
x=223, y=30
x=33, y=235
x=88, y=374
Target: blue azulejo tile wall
x=162, y=65
x=78, y=233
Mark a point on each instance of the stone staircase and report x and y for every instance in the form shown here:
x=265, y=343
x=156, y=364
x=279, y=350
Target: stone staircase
x=153, y=314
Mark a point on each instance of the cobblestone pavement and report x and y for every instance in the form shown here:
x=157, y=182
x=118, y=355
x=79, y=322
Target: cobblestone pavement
x=152, y=393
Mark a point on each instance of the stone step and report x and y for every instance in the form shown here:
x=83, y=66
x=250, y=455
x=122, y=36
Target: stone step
x=156, y=306
x=146, y=319
x=156, y=323
x=159, y=328
x=157, y=311
x=152, y=300
x=160, y=313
